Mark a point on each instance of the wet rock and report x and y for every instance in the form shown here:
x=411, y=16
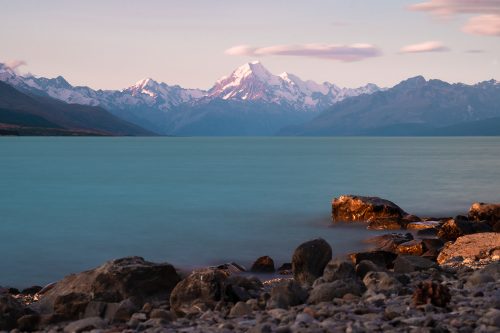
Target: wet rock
x=430, y=232
x=327, y=292
x=287, y=294
x=285, y=269
x=381, y=282
x=379, y=258
x=114, y=281
x=454, y=228
x=28, y=323
x=471, y=248
x=428, y=292
x=378, y=213
x=489, y=212
x=86, y=324
x=309, y=260
x=263, y=264
x=408, y=264
x=415, y=247
x=230, y=268
x=10, y=311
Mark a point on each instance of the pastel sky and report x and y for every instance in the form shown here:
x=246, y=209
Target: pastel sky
x=111, y=44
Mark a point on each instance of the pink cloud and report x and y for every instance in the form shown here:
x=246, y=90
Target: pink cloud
x=346, y=53
x=487, y=25
x=430, y=46
x=451, y=7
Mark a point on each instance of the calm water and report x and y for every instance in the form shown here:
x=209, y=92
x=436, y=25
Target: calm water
x=68, y=204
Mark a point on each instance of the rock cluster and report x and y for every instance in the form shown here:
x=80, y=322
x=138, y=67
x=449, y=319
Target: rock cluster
x=407, y=283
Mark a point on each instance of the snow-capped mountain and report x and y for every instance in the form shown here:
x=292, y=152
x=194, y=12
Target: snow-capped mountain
x=253, y=81
x=160, y=107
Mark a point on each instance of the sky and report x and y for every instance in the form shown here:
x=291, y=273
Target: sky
x=111, y=44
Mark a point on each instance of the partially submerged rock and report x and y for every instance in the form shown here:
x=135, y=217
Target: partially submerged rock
x=471, y=250
x=454, y=228
x=489, y=212
x=309, y=260
x=377, y=212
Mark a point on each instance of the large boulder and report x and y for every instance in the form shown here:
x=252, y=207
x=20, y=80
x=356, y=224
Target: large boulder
x=309, y=260
x=377, y=212
x=203, y=289
x=114, y=281
x=469, y=250
x=489, y=212
x=10, y=311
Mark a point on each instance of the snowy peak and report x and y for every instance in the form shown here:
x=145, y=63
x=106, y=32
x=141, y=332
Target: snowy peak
x=252, y=81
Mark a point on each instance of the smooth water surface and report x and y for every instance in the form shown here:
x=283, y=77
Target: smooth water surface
x=68, y=204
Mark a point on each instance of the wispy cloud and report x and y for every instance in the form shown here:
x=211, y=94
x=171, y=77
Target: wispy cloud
x=486, y=25
x=430, y=46
x=346, y=53
x=451, y=7
x=14, y=64
x=487, y=19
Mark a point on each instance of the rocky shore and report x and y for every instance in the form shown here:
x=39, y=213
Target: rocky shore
x=434, y=275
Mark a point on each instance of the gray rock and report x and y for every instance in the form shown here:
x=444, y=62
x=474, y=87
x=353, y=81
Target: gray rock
x=338, y=270
x=381, y=282
x=162, y=314
x=327, y=292
x=28, y=323
x=240, y=309
x=408, y=264
x=309, y=260
x=113, y=281
x=10, y=311
x=124, y=311
x=366, y=266
x=286, y=294
x=85, y=324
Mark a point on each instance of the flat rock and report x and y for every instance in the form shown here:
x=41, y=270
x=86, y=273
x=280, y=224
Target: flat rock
x=409, y=263
x=468, y=249
x=423, y=225
x=389, y=242
x=86, y=324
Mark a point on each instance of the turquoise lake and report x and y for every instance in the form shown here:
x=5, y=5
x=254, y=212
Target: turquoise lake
x=69, y=204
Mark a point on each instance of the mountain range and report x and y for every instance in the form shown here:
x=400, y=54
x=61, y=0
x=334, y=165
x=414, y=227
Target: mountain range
x=253, y=101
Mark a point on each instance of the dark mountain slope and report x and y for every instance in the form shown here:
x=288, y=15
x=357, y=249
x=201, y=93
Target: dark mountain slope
x=413, y=107
x=22, y=110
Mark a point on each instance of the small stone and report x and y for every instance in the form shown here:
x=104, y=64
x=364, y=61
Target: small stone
x=240, y=309
x=366, y=266
x=162, y=314
x=414, y=247
x=381, y=282
x=304, y=318
x=408, y=264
